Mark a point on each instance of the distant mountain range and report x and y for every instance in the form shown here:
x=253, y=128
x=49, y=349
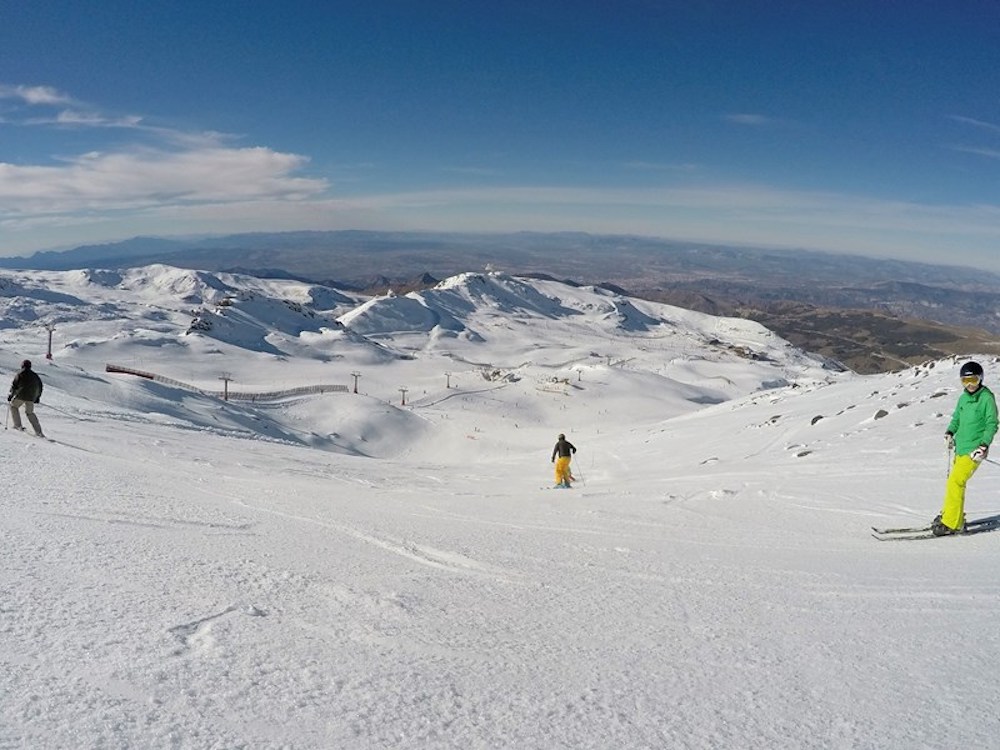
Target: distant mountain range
x=873, y=314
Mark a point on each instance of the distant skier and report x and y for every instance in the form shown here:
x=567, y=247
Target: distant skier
x=970, y=432
x=564, y=450
x=26, y=391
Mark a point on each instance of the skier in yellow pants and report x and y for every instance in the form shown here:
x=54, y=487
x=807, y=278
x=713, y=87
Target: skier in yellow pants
x=970, y=432
x=563, y=451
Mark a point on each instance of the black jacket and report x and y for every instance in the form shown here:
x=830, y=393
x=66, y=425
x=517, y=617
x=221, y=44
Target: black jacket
x=27, y=386
x=563, y=448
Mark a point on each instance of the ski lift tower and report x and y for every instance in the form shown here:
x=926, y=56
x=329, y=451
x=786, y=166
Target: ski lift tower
x=50, y=327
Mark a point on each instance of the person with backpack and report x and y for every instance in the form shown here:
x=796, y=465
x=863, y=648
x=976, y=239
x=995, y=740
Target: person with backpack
x=970, y=432
x=26, y=391
x=562, y=454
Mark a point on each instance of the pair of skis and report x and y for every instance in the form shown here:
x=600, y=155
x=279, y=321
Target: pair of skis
x=25, y=432
x=976, y=526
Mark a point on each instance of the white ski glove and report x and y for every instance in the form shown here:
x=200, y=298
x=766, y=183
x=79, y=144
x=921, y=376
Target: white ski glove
x=980, y=453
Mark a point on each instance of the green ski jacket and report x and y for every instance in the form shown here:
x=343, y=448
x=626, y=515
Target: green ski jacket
x=974, y=422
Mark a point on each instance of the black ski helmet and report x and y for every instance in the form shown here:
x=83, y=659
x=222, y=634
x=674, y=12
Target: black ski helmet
x=26, y=364
x=971, y=370
x=561, y=436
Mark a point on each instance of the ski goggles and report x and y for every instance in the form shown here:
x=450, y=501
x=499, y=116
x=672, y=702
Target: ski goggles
x=970, y=380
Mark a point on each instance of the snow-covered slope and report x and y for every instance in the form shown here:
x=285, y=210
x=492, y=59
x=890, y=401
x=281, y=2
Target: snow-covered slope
x=520, y=344
x=341, y=571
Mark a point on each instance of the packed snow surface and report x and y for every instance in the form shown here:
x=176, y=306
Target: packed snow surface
x=341, y=570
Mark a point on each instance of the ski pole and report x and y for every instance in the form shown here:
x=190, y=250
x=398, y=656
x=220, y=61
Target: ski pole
x=577, y=470
x=50, y=407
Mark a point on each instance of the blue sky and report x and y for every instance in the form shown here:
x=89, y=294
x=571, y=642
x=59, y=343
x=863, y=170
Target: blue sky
x=868, y=127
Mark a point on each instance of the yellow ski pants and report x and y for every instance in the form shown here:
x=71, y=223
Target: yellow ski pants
x=562, y=469
x=954, y=494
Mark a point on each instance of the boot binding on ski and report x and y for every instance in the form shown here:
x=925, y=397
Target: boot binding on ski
x=938, y=528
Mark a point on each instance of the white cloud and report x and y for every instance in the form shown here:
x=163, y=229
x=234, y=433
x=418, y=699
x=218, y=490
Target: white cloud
x=96, y=120
x=991, y=153
x=75, y=114
x=34, y=95
x=750, y=119
x=976, y=123
x=168, y=179
x=120, y=181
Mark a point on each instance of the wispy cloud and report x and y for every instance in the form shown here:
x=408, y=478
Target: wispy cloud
x=649, y=166
x=45, y=106
x=256, y=190
x=980, y=125
x=473, y=171
x=78, y=118
x=753, y=120
x=738, y=214
x=976, y=123
x=991, y=153
x=34, y=95
x=41, y=106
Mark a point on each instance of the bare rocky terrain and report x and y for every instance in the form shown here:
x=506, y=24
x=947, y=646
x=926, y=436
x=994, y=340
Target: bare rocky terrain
x=871, y=315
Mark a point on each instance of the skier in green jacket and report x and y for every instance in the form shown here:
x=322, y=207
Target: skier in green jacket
x=970, y=432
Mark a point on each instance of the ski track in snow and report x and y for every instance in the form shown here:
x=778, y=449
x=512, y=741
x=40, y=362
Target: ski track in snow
x=422, y=554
